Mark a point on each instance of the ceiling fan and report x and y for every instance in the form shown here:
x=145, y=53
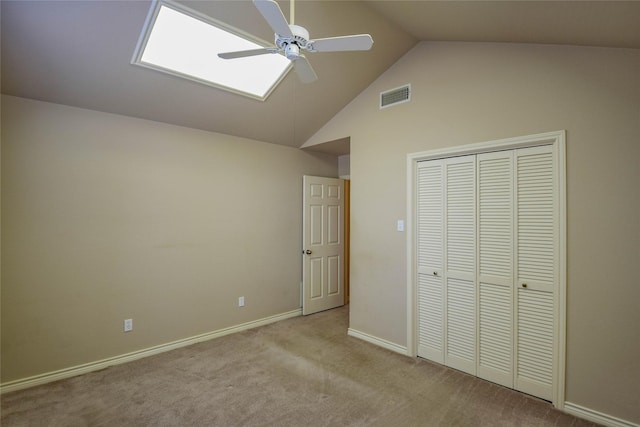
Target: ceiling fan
x=292, y=39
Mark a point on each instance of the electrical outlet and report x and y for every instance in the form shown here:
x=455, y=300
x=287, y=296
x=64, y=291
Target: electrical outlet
x=128, y=325
x=241, y=302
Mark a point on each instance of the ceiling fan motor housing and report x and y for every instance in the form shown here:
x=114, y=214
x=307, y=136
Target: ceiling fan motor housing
x=292, y=45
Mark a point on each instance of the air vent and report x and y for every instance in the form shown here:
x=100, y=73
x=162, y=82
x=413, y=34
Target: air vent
x=395, y=96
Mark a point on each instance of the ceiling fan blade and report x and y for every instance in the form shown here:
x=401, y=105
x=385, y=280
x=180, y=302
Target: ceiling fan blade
x=304, y=70
x=245, y=53
x=274, y=17
x=335, y=44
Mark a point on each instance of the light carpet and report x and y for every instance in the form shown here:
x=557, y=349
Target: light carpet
x=303, y=371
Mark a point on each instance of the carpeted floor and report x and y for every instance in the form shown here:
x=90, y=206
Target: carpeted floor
x=303, y=371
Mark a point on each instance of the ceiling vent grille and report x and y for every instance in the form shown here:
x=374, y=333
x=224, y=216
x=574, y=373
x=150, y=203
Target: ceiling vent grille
x=395, y=96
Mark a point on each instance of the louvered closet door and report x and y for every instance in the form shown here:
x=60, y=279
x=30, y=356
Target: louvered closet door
x=495, y=267
x=536, y=270
x=460, y=263
x=430, y=256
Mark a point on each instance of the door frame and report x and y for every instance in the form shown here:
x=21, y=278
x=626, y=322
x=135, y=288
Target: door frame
x=346, y=238
x=557, y=141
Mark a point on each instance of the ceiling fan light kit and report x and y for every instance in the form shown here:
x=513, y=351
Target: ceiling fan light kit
x=291, y=39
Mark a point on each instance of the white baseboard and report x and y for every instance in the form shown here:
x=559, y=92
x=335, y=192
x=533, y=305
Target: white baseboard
x=124, y=358
x=595, y=416
x=378, y=341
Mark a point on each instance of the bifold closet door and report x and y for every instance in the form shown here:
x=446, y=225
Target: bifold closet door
x=446, y=262
x=487, y=251
x=495, y=267
x=460, y=263
x=430, y=259
x=536, y=270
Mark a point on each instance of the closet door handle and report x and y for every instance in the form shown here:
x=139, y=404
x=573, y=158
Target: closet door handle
x=524, y=285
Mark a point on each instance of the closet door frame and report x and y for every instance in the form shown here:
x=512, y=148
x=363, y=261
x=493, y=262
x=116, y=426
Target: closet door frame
x=557, y=141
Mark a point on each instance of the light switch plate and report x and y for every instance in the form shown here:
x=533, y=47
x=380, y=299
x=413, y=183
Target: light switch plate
x=400, y=225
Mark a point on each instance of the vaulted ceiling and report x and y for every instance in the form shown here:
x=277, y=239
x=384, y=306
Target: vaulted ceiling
x=79, y=53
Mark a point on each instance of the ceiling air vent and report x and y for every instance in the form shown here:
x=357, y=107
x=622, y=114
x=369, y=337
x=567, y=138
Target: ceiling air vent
x=395, y=96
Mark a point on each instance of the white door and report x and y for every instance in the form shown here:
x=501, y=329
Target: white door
x=323, y=244
x=446, y=262
x=536, y=270
x=495, y=267
x=430, y=247
x=487, y=265
x=460, y=263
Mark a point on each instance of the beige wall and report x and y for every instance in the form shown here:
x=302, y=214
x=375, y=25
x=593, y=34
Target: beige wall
x=107, y=217
x=343, y=165
x=464, y=93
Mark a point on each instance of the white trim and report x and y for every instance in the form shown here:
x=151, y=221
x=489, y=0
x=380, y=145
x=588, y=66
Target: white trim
x=596, y=417
x=561, y=328
x=548, y=138
x=557, y=140
x=377, y=341
x=412, y=330
x=135, y=355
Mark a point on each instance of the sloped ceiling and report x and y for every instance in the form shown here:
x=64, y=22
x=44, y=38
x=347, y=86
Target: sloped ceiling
x=569, y=22
x=79, y=53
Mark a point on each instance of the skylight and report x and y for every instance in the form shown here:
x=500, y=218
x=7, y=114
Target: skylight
x=184, y=43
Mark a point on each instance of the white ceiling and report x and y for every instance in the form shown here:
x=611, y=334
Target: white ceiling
x=78, y=53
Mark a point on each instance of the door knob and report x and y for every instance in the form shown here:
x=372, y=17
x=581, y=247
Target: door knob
x=308, y=252
x=524, y=285
x=435, y=273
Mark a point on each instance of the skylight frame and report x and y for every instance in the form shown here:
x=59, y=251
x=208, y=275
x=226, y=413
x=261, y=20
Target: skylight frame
x=146, y=34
